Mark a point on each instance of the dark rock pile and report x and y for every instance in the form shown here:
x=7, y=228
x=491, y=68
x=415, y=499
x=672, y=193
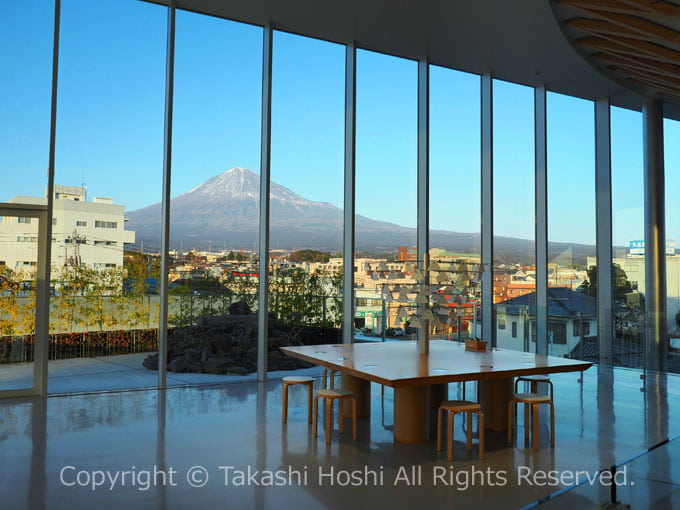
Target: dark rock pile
x=227, y=344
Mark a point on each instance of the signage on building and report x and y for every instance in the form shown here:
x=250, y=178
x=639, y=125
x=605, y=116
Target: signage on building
x=638, y=247
x=368, y=314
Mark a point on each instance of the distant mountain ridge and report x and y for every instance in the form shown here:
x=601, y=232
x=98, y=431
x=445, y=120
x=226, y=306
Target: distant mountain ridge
x=224, y=211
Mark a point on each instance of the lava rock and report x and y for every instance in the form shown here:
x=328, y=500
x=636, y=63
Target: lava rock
x=151, y=361
x=218, y=365
x=237, y=371
x=179, y=365
x=227, y=344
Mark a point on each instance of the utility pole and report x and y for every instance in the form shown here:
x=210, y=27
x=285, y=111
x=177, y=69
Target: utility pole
x=76, y=248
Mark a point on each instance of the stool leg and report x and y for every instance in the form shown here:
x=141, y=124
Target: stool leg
x=527, y=422
x=534, y=387
x=469, y=430
x=511, y=412
x=315, y=426
x=552, y=424
x=440, y=413
x=332, y=379
x=341, y=415
x=325, y=374
x=329, y=419
x=310, y=390
x=480, y=425
x=284, y=406
x=449, y=439
x=354, y=419
x=535, y=409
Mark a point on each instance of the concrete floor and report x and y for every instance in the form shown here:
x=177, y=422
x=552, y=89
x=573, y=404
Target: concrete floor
x=51, y=448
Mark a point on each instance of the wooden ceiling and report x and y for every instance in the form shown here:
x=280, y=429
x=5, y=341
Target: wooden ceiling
x=636, y=42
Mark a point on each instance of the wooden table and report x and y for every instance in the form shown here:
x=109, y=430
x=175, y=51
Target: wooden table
x=419, y=380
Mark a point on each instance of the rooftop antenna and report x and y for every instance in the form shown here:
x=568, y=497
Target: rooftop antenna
x=82, y=180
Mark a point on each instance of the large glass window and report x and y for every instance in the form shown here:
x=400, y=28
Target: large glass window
x=306, y=194
x=109, y=153
x=26, y=31
x=628, y=234
x=572, y=300
x=455, y=199
x=386, y=180
x=672, y=175
x=215, y=204
x=514, y=260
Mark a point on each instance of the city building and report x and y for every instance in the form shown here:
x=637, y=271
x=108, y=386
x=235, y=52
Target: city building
x=90, y=234
x=572, y=317
x=633, y=265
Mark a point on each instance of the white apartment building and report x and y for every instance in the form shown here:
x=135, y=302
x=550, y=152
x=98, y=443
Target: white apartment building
x=83, y=233
x=633, y=264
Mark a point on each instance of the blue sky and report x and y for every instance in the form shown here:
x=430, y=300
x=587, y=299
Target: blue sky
x=110, y=123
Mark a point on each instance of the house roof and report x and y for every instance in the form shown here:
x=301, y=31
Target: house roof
x=562, y=301
x=625, y=353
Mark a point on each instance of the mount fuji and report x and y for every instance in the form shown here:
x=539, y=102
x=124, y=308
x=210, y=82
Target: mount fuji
x=225, y=211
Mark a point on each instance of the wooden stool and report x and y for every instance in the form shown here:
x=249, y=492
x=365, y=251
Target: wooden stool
x=330, y=396
x=328, y=378
x=533, y=400
x=460, y=406
x=289, y=381
x=534, y=380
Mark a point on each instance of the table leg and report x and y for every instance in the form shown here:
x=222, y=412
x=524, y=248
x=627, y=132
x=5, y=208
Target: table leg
x=361, y=389
x=438, y=394
x=494, y=396
x=411, y=414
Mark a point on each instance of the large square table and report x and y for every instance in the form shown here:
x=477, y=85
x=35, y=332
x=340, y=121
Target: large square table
x=419, y=380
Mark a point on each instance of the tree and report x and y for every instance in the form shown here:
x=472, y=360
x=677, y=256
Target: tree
x=17, y=302
x=311, y=299
x=309, y=256
x=620, y=284
x=141, y=265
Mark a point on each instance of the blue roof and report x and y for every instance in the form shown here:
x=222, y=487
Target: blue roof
x=562, y=301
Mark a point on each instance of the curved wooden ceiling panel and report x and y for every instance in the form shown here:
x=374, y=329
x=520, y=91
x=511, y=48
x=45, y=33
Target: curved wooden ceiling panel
x=636, y=42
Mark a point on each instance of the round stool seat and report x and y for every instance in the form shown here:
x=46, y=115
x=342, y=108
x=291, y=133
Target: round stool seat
x=333, y=393
x=534, y=381
x=460, y=405
x=298, y=379
x=330, y=396
x=531, y=397
x=292, y=380
x=533, y=400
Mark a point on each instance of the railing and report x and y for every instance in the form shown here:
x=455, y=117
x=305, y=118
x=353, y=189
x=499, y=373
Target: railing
x=19, y=349
x=614, y=478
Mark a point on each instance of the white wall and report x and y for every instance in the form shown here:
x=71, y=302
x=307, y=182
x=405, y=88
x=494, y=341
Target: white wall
x=67, y=213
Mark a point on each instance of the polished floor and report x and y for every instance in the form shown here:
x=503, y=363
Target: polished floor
x=103, y=373
x=100, y=450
